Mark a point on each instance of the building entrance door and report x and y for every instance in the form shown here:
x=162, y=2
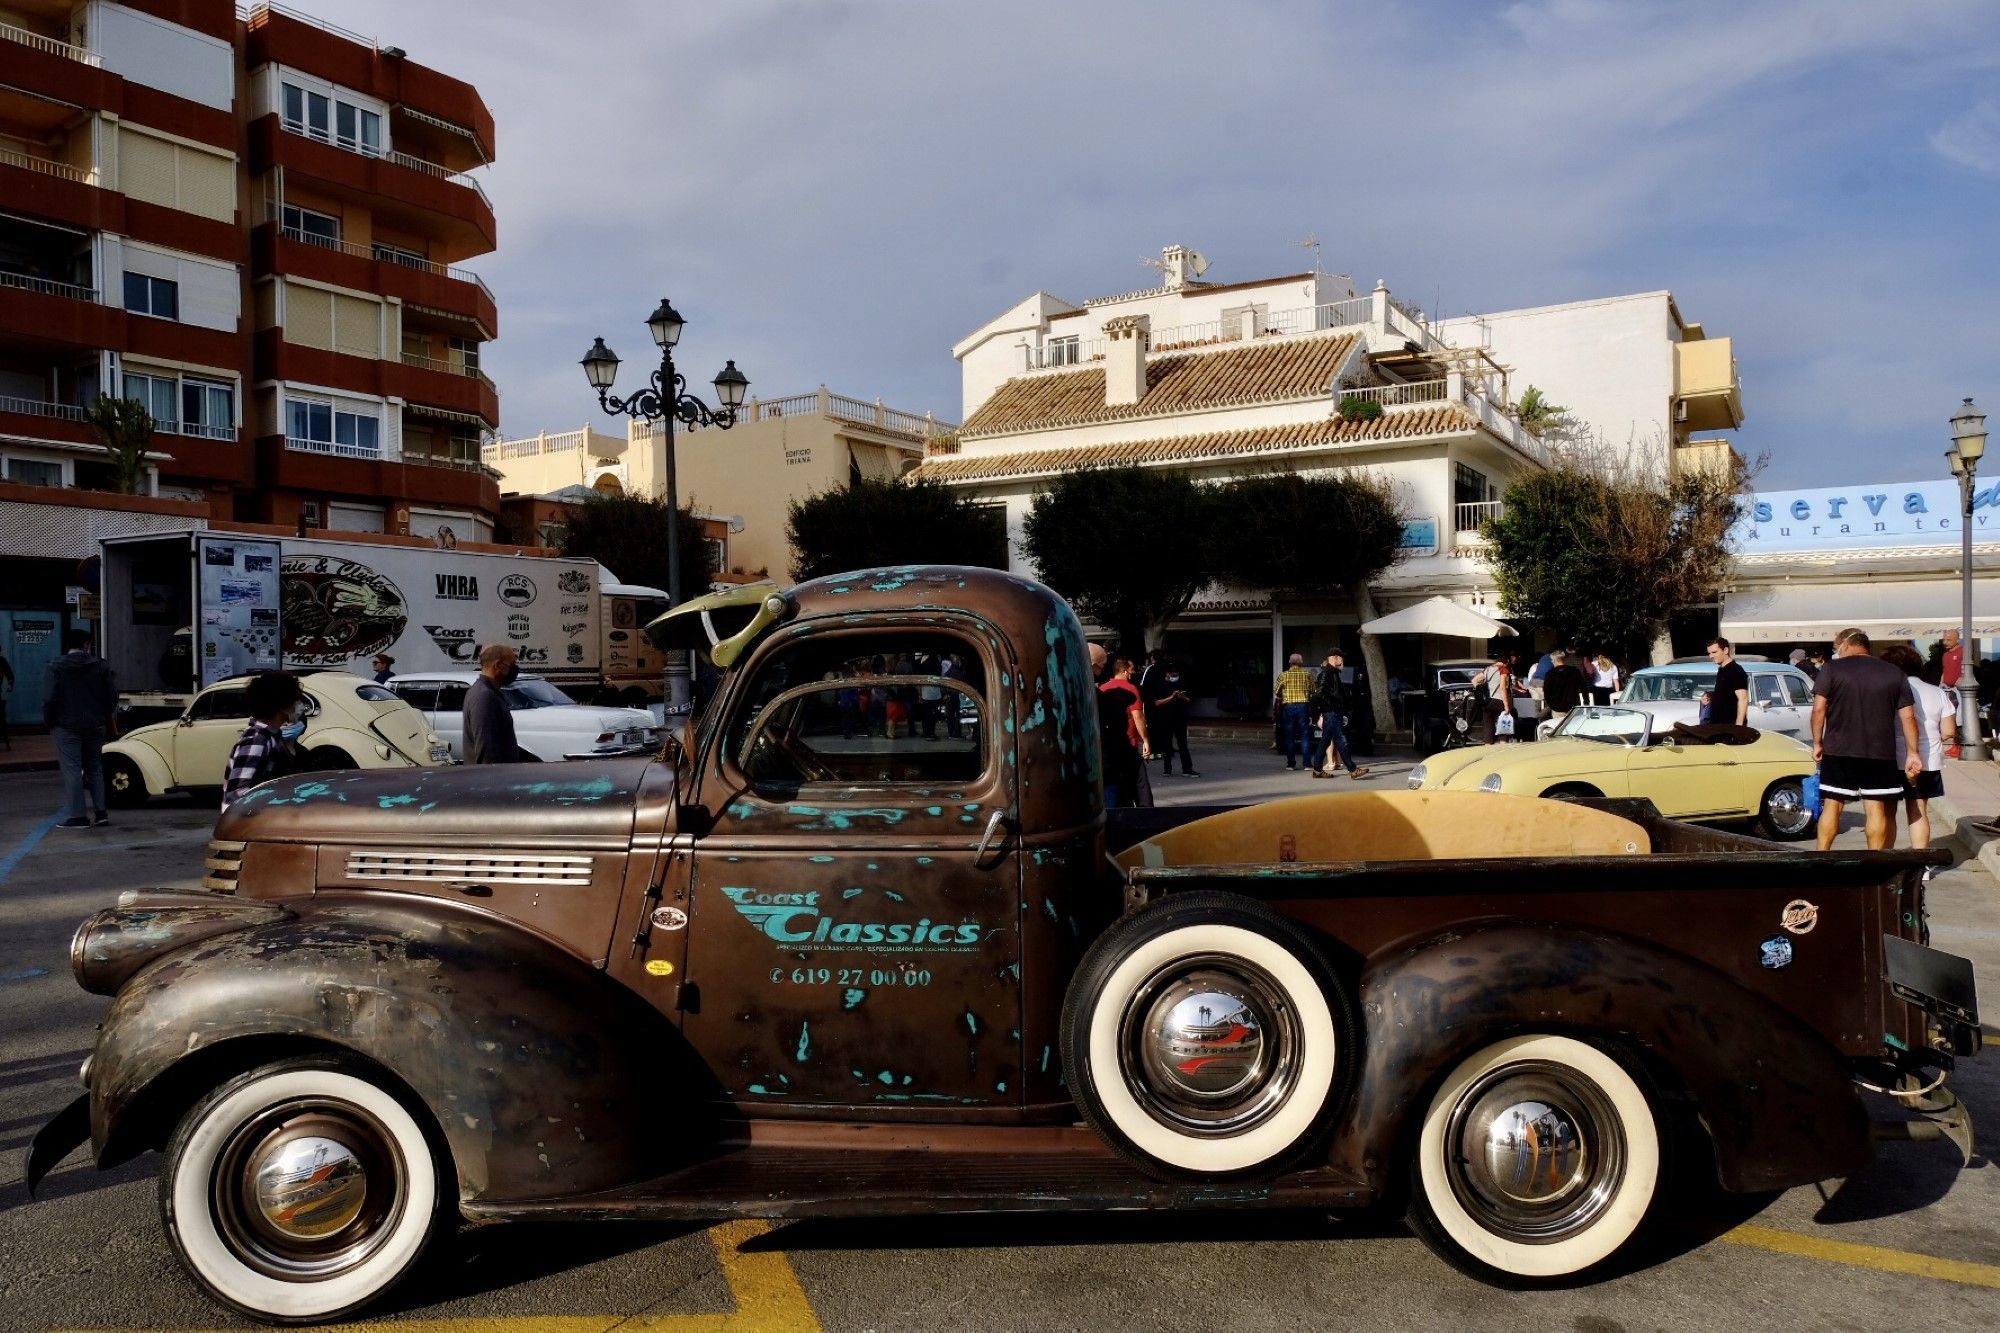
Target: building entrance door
x=32, y=641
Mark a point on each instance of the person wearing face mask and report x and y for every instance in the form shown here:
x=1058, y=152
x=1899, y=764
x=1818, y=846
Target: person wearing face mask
x=268, y=747
x=489, y=726
x=1167, y=706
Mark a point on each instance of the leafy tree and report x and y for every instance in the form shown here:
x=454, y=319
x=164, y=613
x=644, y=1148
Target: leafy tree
x=1606, y=554
x=124, y=427
x=1314, y=536
x=1129, y=546
x=871, y=522
x=627, y=534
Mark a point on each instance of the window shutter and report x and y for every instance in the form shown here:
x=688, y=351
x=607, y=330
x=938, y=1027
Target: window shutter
x=208, y=184
x=146, y=168
x=357, y=326
x=308, y=316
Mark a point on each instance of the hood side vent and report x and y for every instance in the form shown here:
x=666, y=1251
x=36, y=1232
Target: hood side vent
x=483, y=867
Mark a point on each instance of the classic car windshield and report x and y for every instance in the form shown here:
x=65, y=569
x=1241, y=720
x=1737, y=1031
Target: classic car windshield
x=1610, y=725
x=528, y=692
x=1669, y=686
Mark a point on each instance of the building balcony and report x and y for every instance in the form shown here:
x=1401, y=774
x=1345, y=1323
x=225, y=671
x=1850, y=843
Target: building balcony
x=314, y=467
x=416, y=282
x=33, y=419
x=446, y=384
x=434, y=384
x=451, y=106
x=38, y=311
x=432, y=198
x=1707, y=394
x=49, y=67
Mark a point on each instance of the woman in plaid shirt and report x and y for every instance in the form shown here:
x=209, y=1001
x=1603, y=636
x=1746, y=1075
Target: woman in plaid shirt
x=265, y=750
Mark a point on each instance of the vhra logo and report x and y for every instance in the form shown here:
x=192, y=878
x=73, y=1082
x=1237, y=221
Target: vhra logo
x=458, y=587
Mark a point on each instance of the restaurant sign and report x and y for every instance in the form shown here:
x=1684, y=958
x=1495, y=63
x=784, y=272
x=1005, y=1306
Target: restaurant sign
x=1921, y=513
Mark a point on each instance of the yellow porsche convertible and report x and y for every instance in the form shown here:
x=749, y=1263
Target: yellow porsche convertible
x=1619, y=752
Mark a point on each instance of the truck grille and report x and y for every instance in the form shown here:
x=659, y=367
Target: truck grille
x=480, y=867
x=224, y=862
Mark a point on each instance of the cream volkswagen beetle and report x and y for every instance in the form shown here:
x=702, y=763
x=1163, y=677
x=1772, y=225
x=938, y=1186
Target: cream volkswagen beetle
x=1624, y=752
x=350, y=723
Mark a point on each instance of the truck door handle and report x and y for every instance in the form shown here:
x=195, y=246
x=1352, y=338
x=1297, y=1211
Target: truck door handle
x=993, y=826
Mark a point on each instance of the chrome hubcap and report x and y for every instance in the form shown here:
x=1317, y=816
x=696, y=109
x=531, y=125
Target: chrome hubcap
x=1787, y=807
x=1210, y=1046
x=1534, y=1152
x=307, y=1189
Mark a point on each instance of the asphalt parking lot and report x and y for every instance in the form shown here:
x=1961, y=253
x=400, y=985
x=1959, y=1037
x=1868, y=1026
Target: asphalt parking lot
x=1912, y=1241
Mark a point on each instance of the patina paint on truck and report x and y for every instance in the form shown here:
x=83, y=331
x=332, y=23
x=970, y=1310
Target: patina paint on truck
x=865, y=941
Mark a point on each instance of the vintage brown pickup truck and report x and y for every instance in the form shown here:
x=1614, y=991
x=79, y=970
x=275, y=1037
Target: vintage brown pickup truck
x=865, y=941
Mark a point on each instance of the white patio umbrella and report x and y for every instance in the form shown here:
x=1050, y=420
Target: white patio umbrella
x=1439, y=615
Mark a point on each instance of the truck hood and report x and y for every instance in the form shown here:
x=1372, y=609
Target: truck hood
x=582, y=801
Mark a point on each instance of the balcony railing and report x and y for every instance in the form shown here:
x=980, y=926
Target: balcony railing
x=1398, y=395
x=448, y=368
x=444, y=461
x=568, y=441
x=1064, y=353
x=1466, y=518
x=50, y=45
x=35, y=407
x=387, y=154
x=399, y=258
x=1302, y=319
x=46, y=287
x=301, y=444
x=842, y=408
x=45, y=167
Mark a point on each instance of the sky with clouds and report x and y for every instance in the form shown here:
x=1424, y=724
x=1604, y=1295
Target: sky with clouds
x=837, y=191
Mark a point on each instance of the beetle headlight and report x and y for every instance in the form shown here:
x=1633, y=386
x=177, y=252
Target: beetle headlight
x=1491, y=782
x=1417, y=776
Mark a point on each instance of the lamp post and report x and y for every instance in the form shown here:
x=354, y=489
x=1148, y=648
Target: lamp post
x=664, y=401
x=1968, y=446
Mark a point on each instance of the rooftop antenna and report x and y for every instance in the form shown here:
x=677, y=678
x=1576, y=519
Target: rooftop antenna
x=1311, y=242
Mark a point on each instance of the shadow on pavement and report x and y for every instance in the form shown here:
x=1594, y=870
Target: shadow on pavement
x=1018, y=1230
x=493, y=1258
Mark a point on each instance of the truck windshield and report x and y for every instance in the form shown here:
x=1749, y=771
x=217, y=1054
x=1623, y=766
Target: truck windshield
x=528, y=692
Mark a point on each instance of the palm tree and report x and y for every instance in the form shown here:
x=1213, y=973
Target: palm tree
x=124, y=427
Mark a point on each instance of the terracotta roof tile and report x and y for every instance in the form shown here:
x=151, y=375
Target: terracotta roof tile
x=1274, y=371
x=1398, y=424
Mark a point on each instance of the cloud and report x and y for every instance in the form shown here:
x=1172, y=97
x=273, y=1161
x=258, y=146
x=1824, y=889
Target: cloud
x=1973, y=140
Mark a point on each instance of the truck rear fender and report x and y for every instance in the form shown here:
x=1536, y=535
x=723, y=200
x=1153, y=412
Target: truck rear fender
x=1774, y=1099
x=545, y=1079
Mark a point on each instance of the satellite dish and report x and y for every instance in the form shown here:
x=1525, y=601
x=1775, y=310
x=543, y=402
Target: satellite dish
x=1197, y=263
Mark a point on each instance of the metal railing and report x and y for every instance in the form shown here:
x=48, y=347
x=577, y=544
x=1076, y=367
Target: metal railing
x=443, y=460
x=1064, y=354
x=1466, y=518
x=385, y=154
x=1398, y=395
x=444, y=367
x=1299, y=319
x=45, y=167
x=300, y=444
x=398, y=258
x=53, y=46
x=35, y=407
x=47, y=287
x=201, y=430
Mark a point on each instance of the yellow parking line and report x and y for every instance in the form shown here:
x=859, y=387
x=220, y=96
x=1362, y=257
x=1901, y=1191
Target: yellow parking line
x=762, y=1285
x=1876, y=1257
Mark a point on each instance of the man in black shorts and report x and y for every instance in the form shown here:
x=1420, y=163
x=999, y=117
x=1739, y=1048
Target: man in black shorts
x=1859, y=701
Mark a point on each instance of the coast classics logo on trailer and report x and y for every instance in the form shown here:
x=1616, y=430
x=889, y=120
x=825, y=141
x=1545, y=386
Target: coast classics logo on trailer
x=795, y=921
x=459, y=645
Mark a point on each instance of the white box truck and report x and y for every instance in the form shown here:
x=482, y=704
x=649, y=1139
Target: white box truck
x=187, y=608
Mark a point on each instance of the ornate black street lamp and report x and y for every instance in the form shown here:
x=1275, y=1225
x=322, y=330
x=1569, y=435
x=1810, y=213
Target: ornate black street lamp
x=664, y=401
x=1968, y=446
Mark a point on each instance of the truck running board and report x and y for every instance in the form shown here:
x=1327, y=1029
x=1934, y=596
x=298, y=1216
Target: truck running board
x=795, y=1183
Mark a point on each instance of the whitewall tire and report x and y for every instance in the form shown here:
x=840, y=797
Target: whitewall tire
x=1539, y=1159
x=1207, y=1036
x=301, y=1191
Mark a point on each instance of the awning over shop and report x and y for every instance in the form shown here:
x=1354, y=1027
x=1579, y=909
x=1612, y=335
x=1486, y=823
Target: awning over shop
x=1438, y=615
x=1815, y=612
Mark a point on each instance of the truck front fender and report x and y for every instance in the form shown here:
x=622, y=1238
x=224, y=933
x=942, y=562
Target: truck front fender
x=1776, y=1099
x=544, y=1077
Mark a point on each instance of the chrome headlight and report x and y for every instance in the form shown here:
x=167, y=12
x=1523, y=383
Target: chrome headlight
x=1417, y=776
x=1491, y=782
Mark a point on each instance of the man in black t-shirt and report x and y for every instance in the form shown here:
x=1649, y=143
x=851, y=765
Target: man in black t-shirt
x=1728, y=702
x=1859, y=701
x=1563, y=687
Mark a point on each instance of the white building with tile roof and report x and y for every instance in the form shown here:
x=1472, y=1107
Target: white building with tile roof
x=1226, y=379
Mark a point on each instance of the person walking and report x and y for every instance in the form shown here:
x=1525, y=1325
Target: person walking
x=489, y=724
x=1167, y=724
x=268, y=747
x=1954, y=660
x=1293, y=696
x=1860, y=702
x=6, y=689
x=1121, y=724
x=1498, y=682
x=1937, y=727
x=1727, y=702
x=1604, y=680
x=1330, y=704
x=80, y=709
x=1564, y=687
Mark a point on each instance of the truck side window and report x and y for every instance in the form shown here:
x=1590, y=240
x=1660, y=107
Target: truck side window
x=864, y=710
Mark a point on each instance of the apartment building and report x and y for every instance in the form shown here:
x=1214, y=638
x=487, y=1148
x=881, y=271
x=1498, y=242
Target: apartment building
x=780, y=450
x=1226, y=379
x=253, y=225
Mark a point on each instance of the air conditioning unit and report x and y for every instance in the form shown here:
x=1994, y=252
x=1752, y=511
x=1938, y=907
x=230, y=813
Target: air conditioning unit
x=1680, y=409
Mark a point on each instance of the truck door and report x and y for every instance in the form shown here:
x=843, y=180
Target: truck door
x=855, y=910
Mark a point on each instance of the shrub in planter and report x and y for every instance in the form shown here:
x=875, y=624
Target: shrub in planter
x=1353, y=407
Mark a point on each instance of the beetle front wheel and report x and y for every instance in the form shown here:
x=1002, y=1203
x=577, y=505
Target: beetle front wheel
x=301, y=1191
